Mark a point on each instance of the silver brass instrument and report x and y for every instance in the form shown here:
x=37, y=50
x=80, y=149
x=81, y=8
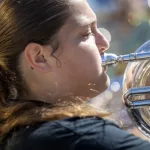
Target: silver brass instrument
x=109, y=59
x=136, y=84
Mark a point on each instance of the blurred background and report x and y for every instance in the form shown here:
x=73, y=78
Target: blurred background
x=126, y=24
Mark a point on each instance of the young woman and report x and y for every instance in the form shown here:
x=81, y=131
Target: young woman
x=50, y=65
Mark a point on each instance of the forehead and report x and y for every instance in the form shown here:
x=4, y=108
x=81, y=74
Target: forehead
x=81, y=12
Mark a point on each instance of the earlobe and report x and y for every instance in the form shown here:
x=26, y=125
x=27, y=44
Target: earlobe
x=35, y=57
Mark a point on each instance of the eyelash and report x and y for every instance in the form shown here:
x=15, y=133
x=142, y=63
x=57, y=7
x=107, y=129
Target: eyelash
x=88, y=34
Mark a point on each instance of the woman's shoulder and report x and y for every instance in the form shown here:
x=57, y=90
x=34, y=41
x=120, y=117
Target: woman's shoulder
x=75, y=125
x=55, y=133
x=76, y=133
x=82, y=125
x=78, y=125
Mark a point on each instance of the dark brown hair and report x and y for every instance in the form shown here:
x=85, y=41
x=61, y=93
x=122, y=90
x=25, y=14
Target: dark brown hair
x=22, y=22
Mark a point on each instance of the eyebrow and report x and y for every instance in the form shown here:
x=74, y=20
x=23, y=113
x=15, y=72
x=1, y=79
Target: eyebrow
x=84, y=21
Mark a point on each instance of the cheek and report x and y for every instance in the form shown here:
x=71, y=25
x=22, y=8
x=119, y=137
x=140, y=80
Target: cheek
x=89, y=56
x=83, y=58
x=80, y=66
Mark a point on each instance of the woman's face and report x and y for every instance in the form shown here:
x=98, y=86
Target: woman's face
x=80, y=45
x=78, y=68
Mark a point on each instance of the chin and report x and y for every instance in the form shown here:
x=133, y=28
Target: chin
x=99, y=87
x=102, y=85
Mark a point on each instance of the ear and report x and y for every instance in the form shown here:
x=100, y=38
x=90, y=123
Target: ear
x=36, y=56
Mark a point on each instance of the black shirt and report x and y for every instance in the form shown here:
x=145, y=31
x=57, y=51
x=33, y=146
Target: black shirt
x=90, y=133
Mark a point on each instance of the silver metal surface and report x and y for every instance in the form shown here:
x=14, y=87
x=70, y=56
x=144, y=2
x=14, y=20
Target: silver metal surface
x=109, y=59
x=136, y=92
x=136, y=84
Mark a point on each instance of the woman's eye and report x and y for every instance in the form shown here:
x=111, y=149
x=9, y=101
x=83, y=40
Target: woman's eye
x=88, y=34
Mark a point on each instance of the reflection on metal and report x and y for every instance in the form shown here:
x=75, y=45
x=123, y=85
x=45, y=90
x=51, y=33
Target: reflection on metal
x=136, y=84
x=109, y=59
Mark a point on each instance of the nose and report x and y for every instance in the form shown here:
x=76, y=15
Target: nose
x=101, y=42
